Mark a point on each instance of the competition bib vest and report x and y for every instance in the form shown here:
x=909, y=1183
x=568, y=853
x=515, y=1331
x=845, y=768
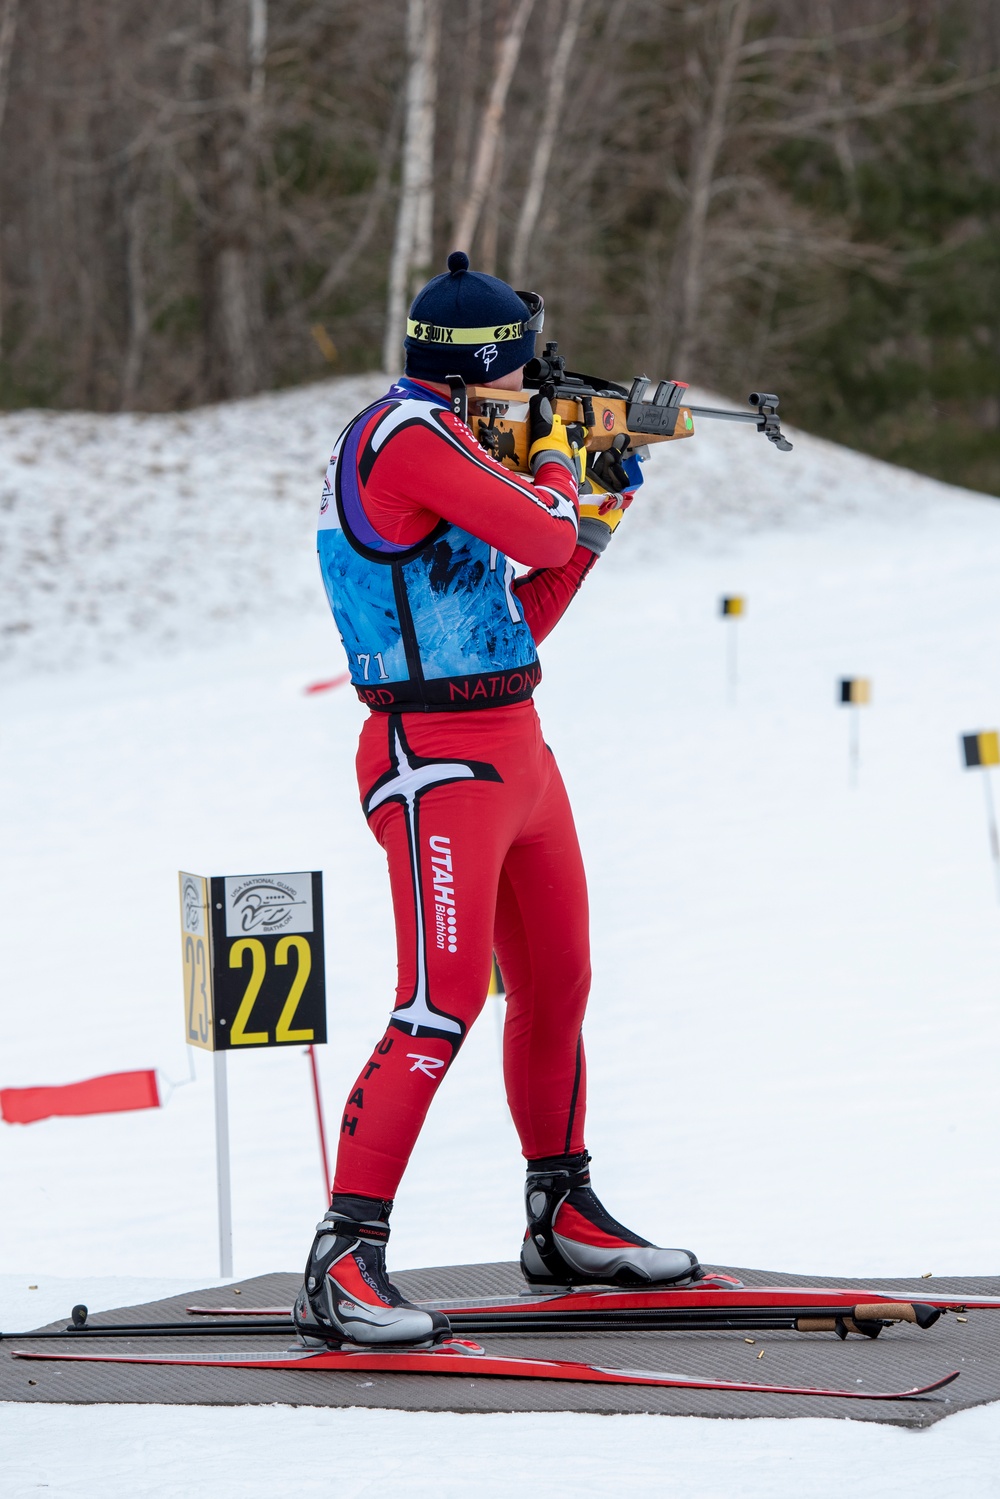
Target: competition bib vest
x=430, y=627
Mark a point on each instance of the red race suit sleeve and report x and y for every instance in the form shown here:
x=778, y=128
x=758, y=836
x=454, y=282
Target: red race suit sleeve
x=427, y=466
x=546, y=593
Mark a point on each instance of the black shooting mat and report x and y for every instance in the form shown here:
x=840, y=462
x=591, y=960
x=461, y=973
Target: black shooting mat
x=902, y=1357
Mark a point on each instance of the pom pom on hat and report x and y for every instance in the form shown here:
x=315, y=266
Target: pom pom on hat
x=458, y=261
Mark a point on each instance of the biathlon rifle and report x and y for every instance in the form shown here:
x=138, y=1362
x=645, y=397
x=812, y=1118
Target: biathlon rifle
x=619, y=420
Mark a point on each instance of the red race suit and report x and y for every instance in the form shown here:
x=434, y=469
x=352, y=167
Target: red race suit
x=466, y=800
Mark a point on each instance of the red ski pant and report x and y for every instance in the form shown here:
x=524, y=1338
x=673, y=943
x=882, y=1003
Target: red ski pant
x=483, y=856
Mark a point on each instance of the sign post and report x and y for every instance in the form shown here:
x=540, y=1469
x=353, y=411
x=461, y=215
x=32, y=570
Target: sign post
x=979, y=752
x=222, y=1174
x=254, y=976
x=324, y=1158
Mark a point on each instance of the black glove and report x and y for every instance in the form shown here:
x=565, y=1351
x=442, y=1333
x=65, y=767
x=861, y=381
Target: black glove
x=550, y=440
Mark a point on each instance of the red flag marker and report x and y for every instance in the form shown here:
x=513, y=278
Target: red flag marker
x=111, y=1094
x=325, y=686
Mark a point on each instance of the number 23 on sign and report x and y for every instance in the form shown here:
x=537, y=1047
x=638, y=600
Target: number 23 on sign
x=197, y=965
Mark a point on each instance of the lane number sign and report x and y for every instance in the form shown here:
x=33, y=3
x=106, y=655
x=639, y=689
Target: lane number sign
x=252, y=949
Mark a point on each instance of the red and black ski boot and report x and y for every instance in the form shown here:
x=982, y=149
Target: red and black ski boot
x=347, y=1298
x=572, y=1240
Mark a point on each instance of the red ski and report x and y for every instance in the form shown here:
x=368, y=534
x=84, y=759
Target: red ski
x=730, y=1299
x=463, y=1357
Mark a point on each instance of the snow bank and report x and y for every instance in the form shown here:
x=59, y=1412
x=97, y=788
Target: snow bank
x=127, y=534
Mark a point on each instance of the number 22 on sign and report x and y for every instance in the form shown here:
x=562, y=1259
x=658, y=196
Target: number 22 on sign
x=283, y=1034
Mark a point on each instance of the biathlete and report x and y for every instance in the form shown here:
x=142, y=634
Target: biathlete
x=417, y=523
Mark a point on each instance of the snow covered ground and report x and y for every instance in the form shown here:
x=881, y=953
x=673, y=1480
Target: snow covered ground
x=262, y=1452
x=794, y=1031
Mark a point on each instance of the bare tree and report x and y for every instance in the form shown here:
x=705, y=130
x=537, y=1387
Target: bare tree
x=462, y=137
x=545, y=141
x=732, y=25
x=238, y=271
x=835, y=92
x=138, y=304
x=8, y=27
x=258, y=51
x=491, y=124
x=378, y=193
x=223, y=192
x=411, y=251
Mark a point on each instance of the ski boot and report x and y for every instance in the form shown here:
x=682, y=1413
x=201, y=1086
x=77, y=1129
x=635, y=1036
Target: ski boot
x=572, y=1240
x=347, y=1298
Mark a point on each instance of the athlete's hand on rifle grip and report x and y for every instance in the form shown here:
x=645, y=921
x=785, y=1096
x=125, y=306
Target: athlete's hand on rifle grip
x=607, y=470
x=600, y=514
x=550, y=441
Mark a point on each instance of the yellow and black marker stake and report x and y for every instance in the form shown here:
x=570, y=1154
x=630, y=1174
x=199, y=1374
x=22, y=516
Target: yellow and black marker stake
x=252, y=949
x=854, y=693
x=980, y=752
x=732, y=607
x=499, y=993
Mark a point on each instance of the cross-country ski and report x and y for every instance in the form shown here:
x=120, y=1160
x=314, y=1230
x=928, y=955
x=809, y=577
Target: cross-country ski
x=465, y=1358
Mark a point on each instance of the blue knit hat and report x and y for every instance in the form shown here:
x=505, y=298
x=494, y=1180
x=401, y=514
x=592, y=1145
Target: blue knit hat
x=466, y=323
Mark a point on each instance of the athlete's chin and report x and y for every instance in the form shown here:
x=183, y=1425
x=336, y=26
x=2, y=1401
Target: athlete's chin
x=512, y=381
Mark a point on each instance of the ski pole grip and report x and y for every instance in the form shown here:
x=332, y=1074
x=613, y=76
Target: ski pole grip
x=871, y=1311
x=898, y=1311
x=876, y=1311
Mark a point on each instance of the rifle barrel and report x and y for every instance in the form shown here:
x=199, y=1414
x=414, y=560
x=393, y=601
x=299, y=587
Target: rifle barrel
x=727, y=416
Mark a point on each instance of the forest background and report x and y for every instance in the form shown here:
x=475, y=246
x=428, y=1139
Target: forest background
x=200, y=199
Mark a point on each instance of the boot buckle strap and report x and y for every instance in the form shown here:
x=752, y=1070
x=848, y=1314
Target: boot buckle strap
x=348, y=1228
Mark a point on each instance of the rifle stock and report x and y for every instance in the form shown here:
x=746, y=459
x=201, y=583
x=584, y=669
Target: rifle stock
x=505, y=415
